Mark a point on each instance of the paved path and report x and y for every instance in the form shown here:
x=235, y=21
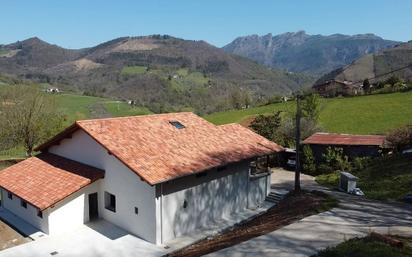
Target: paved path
x=354, y=217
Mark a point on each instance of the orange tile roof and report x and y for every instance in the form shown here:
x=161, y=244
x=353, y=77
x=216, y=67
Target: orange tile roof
x=157, y=151
x=344, y=139
x=47, y=179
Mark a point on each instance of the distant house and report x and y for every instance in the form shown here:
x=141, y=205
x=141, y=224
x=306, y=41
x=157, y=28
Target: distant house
x=52, y=90
x=352, y=145
x=332, y=88
x=156, y=176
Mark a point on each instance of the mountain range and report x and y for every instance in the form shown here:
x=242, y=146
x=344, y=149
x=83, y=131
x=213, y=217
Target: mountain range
x=312, y=54
x=163, y=73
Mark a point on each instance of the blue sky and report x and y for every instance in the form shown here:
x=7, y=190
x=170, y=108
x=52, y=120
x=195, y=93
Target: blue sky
x=84, y=23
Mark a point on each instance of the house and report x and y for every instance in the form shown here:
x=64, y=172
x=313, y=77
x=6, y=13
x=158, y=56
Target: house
x=156, y=176
x=53, y=90
x=332, y=88
x=352, y=145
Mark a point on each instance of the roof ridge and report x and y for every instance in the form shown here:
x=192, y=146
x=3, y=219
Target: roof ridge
x=133, y=116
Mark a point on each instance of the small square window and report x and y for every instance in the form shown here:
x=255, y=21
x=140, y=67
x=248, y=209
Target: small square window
x=110, y=201
x=23, y=204
x=40, y=214
x=10, y=196
x=177, y=124
x=184, y=204
x=136, y=210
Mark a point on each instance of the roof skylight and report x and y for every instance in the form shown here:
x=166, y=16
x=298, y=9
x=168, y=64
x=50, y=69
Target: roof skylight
x=177, y=124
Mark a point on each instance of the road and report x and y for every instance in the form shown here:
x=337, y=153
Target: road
x=355, y=216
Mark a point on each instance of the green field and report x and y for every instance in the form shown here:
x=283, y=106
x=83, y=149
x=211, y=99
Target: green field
x=77, y=107
x=372, y=114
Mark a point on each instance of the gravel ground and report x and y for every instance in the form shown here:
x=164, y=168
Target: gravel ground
x=9, y=237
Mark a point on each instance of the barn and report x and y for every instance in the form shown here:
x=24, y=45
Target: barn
x=353, y=145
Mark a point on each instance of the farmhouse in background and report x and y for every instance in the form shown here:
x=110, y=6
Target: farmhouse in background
x=332, y=88
x=52, y=90
x=156, y=176
x=352, y=145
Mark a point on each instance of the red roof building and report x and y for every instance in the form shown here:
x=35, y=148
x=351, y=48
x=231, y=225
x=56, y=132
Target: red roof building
x=345, y=139
x=46, y=179
x=156, y=176
x=353, y=145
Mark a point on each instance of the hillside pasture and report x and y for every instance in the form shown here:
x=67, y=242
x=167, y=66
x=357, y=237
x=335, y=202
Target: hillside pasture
x=373, y=114
x=133, y=70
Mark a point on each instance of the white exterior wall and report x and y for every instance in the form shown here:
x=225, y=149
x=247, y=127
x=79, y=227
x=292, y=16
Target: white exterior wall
x=72, y=211
x=129, y=189
x=217, y=195
x=29, y=214
x=259, y=188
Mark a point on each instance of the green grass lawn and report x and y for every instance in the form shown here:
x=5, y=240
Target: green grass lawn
x=372, y=114
x=386, y=178
x=365, y=247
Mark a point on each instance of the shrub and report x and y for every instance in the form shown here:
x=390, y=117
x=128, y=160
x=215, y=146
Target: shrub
x=309, y=165
x=360, y=163
x=400, y=138
x=335, y=158
x=324, y=168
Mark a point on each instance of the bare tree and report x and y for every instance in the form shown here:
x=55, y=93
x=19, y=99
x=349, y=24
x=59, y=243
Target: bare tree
x=27, y=117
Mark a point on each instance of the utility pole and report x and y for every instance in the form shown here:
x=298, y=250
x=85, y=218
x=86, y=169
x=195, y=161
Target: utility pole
x=297, y=166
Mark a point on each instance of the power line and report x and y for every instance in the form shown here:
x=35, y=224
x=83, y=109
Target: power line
x=375, y=77
x=387, y=73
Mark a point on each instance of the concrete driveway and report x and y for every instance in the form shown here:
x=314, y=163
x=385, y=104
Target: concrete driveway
x=354, y=217
x=99, y=238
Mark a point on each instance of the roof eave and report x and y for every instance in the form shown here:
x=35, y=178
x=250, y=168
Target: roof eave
x=57, y=138
x=217, y=166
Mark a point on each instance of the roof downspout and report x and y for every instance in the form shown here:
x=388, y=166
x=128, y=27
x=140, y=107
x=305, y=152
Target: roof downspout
x=161, y=213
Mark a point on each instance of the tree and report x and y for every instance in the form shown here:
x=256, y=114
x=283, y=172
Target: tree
x=392, y=80
x=27, y=117
x=309, y=164
x=236, y=98
x=267, y=125
x=247, y=99
x=311, y=107
x=366, y=86
x=287, y=130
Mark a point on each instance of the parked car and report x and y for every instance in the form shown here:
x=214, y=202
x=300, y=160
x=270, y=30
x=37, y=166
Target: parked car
x=291, y=162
